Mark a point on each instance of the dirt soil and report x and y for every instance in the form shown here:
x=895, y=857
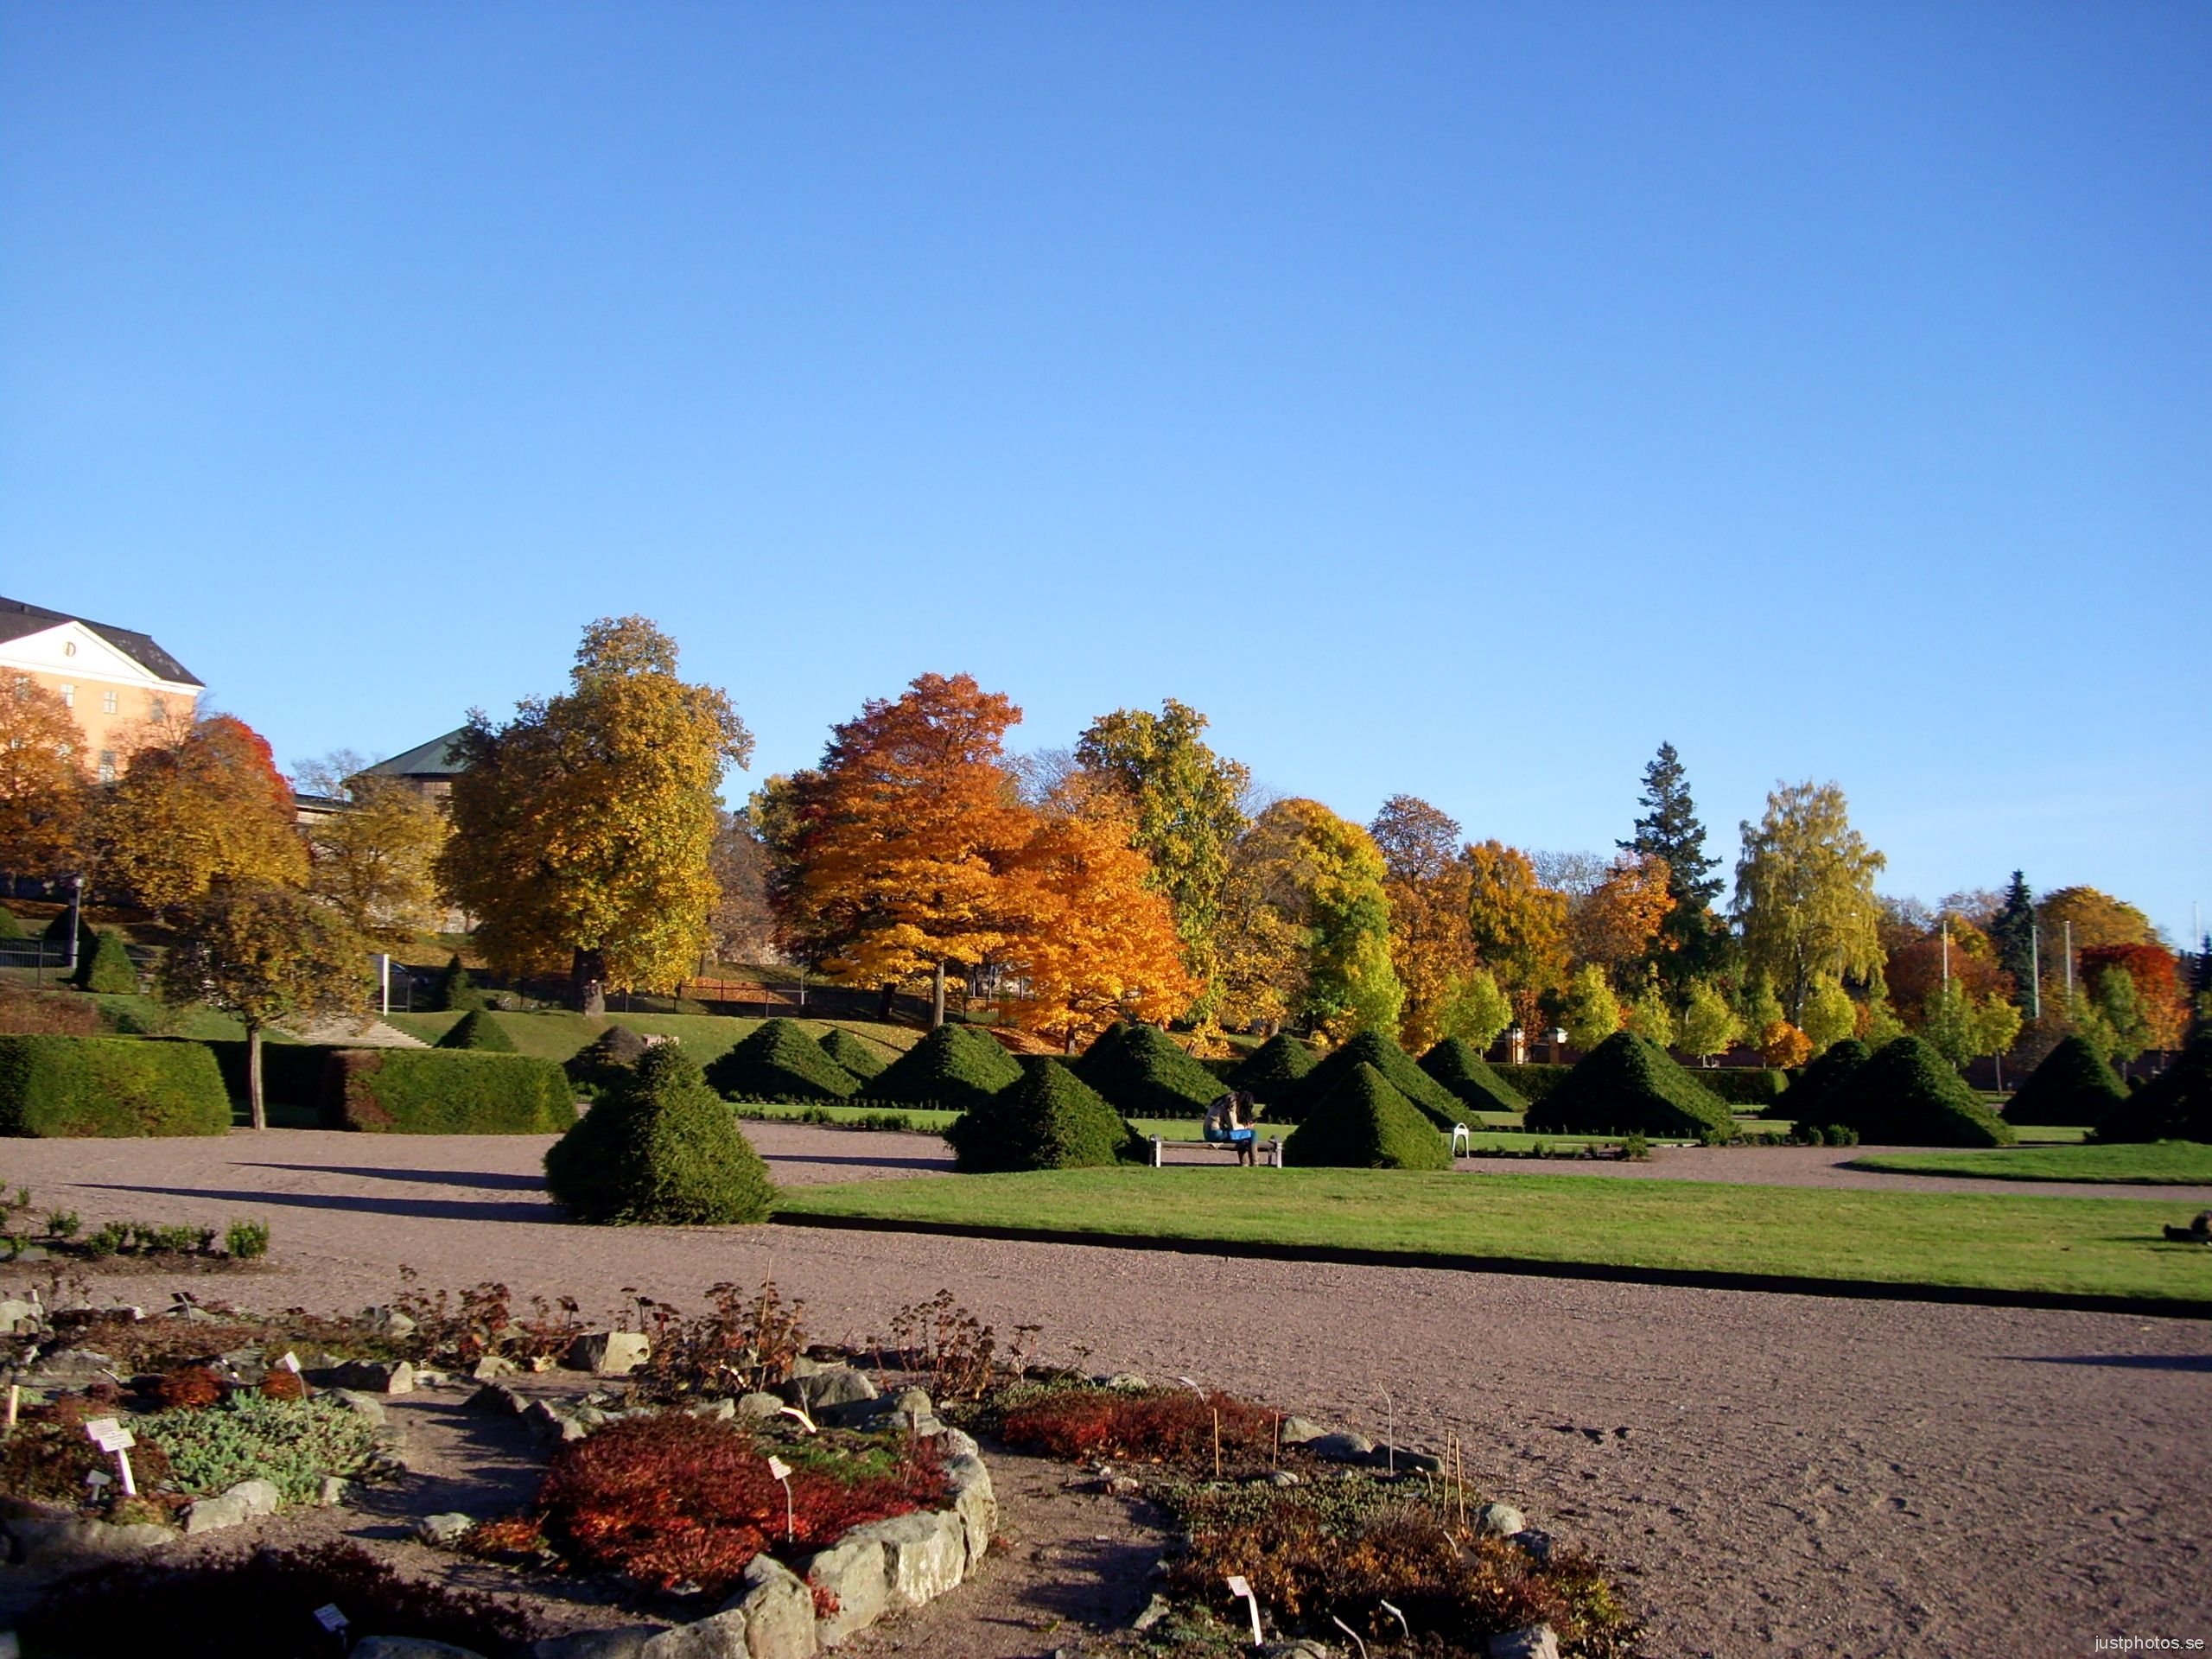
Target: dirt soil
x=1767, y=1474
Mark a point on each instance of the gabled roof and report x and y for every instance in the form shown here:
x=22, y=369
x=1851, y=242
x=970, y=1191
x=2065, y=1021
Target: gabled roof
x=435, y=759
x=18, y=619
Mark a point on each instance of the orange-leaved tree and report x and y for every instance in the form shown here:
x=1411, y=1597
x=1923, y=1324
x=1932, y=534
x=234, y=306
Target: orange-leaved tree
x=208, y=807
x=1428, y=884
x=2159, y=992
x=1092, y=940
x=42, y=781
x=902, y=836
x=1617, y=922
x=1519, y=925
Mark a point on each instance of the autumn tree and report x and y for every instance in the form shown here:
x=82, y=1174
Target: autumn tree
x=209, y=806
x=1650, y=1017
x=1690, y=939
x=1431, y=944
x=1591, y=1013
x=42, y=781
x=1829, y=1015
x=1311, y=923
x=1519, y=925
x=584, y=828
x=740, y=927
x=1805, y=892
x=1477, y=1011
x=901, y=836
x=1616, y=924
x=1961, y=1026
x=1090, y=939
x=1709, y=1025
x=266, y=954
x=1184, y=802
x=2083, y=918
x=2161, y=995
x=1950, y=948
x=376, y=860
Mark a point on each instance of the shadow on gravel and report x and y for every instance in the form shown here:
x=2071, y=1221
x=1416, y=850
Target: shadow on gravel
x=872, y=1163
x=2123, y=1362
x=428, y=1177
x=421, y=1209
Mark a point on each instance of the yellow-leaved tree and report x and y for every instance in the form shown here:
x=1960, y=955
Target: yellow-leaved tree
x=1519, y=925
x=41, y=783
x=583, y=828
x=209, y=806
x=376, y=864
x=1432, y=945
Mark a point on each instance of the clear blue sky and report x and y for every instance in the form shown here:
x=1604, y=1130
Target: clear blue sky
x=1453, y=399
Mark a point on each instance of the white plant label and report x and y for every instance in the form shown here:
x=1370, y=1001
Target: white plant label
x=778, y=1469
x=290, y=1361
x=98, y=1478
x=330, y=1618
x=110, y=1436
x=1239, y=1586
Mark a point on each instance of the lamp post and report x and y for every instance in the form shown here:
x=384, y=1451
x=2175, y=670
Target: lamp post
x=76, y=921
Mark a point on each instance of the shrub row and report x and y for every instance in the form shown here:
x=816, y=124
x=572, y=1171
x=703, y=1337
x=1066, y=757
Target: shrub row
x=440, y=1091
x=108, y=1086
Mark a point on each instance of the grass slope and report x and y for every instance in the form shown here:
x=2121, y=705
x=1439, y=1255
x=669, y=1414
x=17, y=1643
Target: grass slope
x=2161, y=1163
x=1459, y=1066
x=1629, y=1082
x=855, y=1054
x=2026, y=1242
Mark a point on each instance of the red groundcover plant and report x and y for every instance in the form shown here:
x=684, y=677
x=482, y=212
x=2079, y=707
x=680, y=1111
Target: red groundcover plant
x=1165, y=1425
x=675, y=1500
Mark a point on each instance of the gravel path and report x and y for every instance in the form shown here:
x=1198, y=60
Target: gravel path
x=1799, y=1475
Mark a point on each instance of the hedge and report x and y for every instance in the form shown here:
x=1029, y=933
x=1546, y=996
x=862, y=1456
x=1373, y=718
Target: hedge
x=1049, y=1120
x=479, y=1030
x=1533, y=1080
x=110, y=1086
x=953, y=1068
x=1907, y=1094
x=445, y=1092
x=1813, y=1085
x=1143, y=1072
x=2175, y=1105
x=1629, y=1083
x=1459, y=1066
x=779, y=1061
x=1746, y=1088
x=2072, y=1085
x=662, y=1146
x=1362, y=1122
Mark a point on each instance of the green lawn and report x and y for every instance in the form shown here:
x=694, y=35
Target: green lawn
x=2077, y=1246
x=2165, y=1163
x=706, y=1037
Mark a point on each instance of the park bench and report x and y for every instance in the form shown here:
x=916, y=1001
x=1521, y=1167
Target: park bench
x=1271, y=1147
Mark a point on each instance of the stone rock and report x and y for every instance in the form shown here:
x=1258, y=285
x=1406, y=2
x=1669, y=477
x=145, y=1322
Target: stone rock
x=608, y=1353
x=924, y=1554
x=622, y=1641
x=10, y=1647
x=448, y=1528
x=855, y=1572
x=832, y=1385
x=756, y=1406
x=332, y=1492
x=1128, y=1379
x=1502, y=1519
x=408, y=1647
x=712, y=1411
x=913, y=1403
x=1347, y=1447
x=1304, y=1648
x=361, y=1405
x=246, y=1365
x=722, y=1637
x=388, y=1322
x=491, y=1366
x=804, y=1366
x=38, y=1540
x=1283, y=1477
x=18, y=1316
x=1155, y=1610
x=1532, y=1641
x=974, y=1503
x=1297, y=1431
x=498, y=1397
x=778, y=1611
x=375, y=1376
x=70, y=1368
x=259, y=1496
x=958, y=1443
x=1534, y=1542
x=214, y=1515
x=1419, y=1463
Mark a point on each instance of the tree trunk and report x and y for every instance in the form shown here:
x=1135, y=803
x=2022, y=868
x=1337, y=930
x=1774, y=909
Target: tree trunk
x=253, y=1095
x=936, y=996
x=587, y=981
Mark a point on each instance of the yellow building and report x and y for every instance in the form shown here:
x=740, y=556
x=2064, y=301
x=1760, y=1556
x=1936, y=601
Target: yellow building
x=120, y=686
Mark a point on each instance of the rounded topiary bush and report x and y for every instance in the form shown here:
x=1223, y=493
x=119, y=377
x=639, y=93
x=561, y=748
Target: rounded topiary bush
x=1801, y=1099
x=1629, y=1083
x=1143, y=1071
x=109, y=969
x=1459, y=1066
x=1362, y=1122
x=1050, y=1118
x=779, y=1061
x=661, y=1147
x=2175, y=1105
x=953, y=1067
x=2073, y=1086
x=1907, y=1094
x=855, y=1054
x=478, y=1030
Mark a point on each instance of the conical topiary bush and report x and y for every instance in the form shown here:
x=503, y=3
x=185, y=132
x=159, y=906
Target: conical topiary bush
x=1629, y=1084
x=9, y=927
x=1801, y=1101
x=108, y=969
x=478, y=1030
x=1272, y=1069
x=1907, y=1094
x=660, y=1147
x=1050, y=1118
x=780, y=1061
x=1364, y=1124
x=1458, y=1065
x=2175, y=1105
x=2073, y=1085
x=1426, y=1095
x=855, y=1054
x=953, y=1068
x=454, y=991
x=1142, y=1071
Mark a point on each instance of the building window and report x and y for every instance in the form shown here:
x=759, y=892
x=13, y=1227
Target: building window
x=156, y=708
x=111, y=703
x=107, y=765
x=68, y=696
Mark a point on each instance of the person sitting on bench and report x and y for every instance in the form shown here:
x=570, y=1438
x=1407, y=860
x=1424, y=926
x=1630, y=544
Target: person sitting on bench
x=1229, y=1121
